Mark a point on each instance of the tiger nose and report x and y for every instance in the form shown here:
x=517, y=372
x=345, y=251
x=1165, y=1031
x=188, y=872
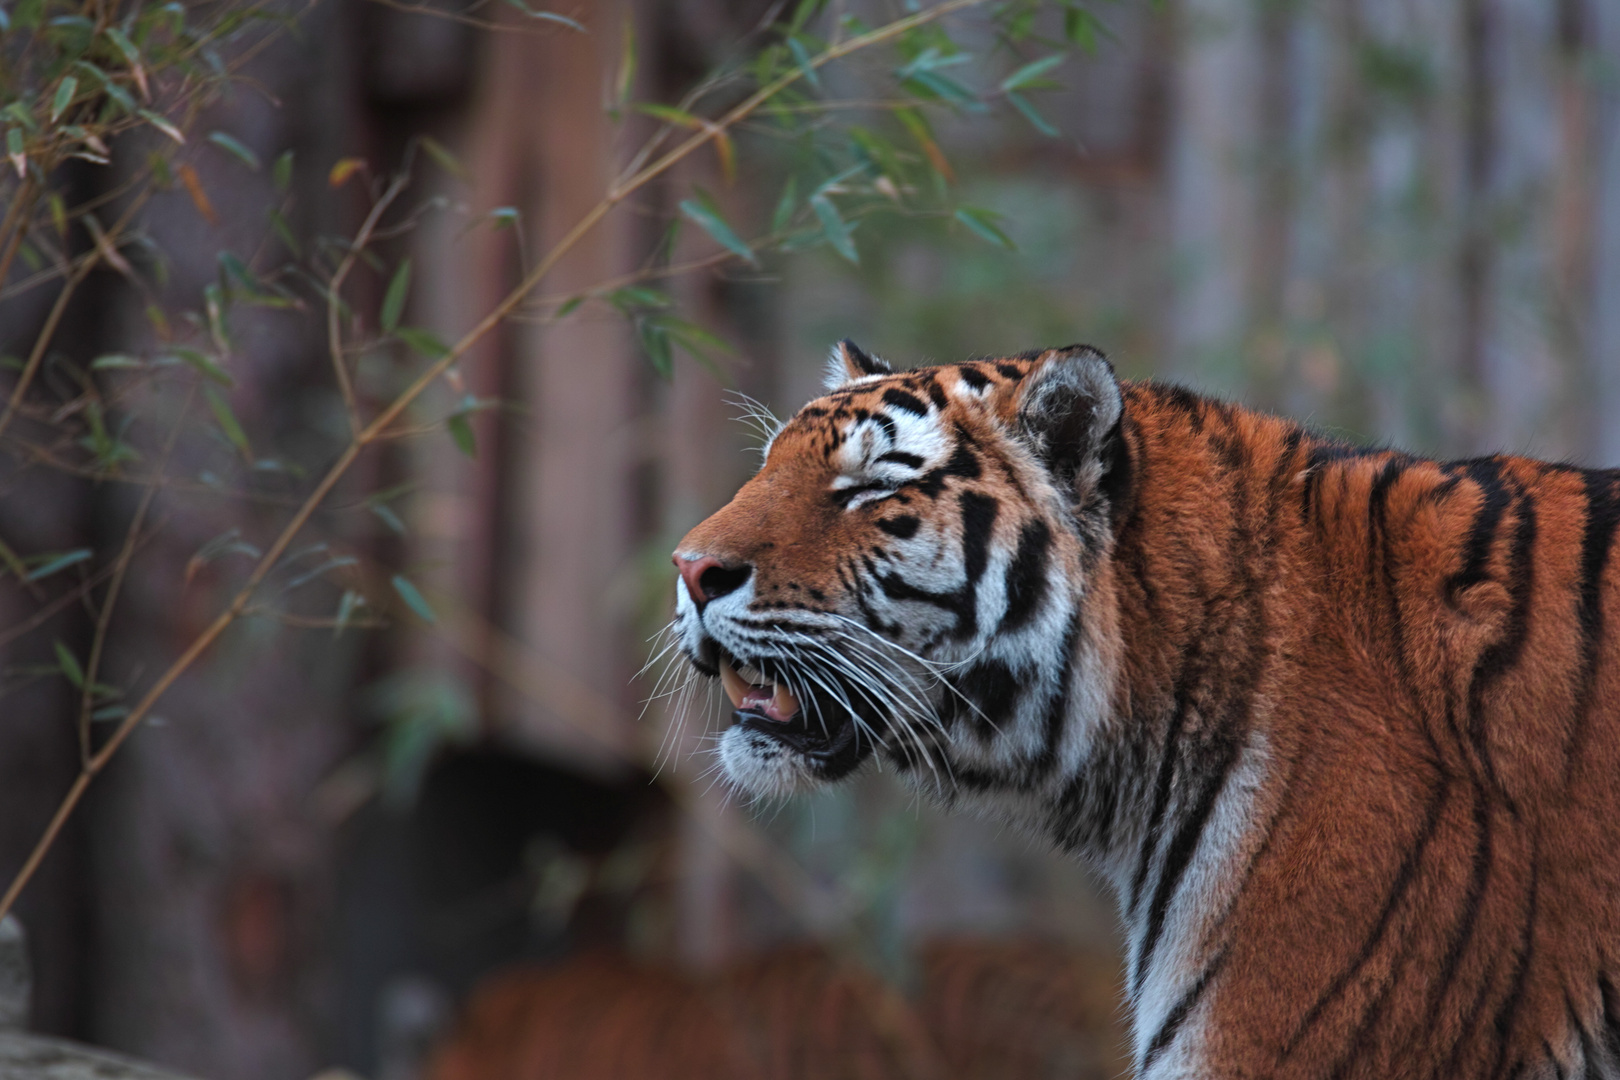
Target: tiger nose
x=707, y=578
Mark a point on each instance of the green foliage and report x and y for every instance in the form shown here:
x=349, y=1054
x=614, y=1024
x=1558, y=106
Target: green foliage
x=835, y=115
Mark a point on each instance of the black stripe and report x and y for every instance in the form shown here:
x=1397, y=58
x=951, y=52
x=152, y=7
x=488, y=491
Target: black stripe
x=1161, y=798
x=1505, y=653
x=1118, y=472
x=1487, y=473
x=1602, y=519
x=1057, y=709
x=1178, y=856
x=1552, y=1059
x=963, y=462
x=1462, y=932
x=1611, y=1019
x=973, y=377
x=1404, y=878
x=1470, y=1017
x=935, y=392
x=1178, y=1015
x=1026, y=575
x=1589, y=1049
x=978, y=519
x=1183, y=401
x=903, y=527
x=992, y=693
x=1508, y=1011
x=900, y=457
x=1009, y=371
x=902, y=400
x=882, y=420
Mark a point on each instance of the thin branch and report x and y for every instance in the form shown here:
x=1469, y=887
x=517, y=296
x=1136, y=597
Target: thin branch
x=43, y=341
x=92, y=666
x=334, y=299
x=15, y=225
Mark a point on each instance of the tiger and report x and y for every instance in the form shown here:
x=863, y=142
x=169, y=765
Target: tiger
x=1338, y=725
x=982, y=1010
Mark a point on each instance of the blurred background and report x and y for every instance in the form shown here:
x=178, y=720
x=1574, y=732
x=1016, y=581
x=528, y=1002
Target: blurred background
x=419, y=811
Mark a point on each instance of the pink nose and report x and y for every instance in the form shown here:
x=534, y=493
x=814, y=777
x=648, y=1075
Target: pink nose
x=707, y=578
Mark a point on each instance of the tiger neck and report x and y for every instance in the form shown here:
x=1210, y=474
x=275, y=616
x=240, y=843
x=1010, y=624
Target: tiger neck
x=1209, y=541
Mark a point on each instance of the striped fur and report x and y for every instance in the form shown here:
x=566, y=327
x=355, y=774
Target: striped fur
x=1340, y=725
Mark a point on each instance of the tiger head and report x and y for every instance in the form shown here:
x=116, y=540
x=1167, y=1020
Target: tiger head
x=907, y=573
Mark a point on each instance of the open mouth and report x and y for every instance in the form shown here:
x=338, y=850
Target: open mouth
x=766, y=704
x=751, y=691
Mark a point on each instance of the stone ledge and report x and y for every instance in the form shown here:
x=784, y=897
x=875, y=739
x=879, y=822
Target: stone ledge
x=35, y=1057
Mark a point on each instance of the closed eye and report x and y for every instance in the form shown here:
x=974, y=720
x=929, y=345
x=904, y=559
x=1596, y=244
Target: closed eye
x=864, y=493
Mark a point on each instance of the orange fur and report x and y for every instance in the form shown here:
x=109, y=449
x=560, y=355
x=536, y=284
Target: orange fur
x=986, y=1011
x=1342, y=726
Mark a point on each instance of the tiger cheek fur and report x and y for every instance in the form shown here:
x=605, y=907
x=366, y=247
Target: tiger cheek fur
x=1341, y=726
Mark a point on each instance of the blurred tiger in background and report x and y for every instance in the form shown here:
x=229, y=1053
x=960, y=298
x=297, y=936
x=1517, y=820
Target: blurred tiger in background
x=985, y=1011
x=1341, y=726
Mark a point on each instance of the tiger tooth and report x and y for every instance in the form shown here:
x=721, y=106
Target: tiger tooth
x=734, y=683
x=783, y=703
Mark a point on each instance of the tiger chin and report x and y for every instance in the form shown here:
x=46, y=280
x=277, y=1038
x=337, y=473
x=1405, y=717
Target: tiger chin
x=1341, y=726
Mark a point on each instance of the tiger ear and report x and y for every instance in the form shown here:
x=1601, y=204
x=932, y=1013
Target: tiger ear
x=1069, y=410
x=849, y=362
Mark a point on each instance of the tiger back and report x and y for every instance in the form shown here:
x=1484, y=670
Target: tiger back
x=1341, y=726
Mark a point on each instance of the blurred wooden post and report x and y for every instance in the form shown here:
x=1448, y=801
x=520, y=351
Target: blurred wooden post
x=1212, y=212
x=1603, y=347
x=543, y=143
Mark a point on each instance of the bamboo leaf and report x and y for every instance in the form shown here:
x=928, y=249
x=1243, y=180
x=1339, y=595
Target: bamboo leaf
x=631, y=297
x=445, y=159
x=702, y=210
x=114, y=361
x=281, y=171
x=342, y=170
x=801, y=56
x=64, y=96
x=423, y=341
x=917, y=125
x=68, y=664
x=786, y=205
x=228, y=422
x=162, y=125
x=413, y=599
x=655, y=340
x=386, y=515
x=335, y=563
x=54, y=563
x=669, y=114
x=626, y=80
x=199, y=198
x=346, y=608
x=461, y=433
x=278, y=223
x=1038, y=121
x=834, y=227
x=204, y=364
x=394, y=302
x=1031, y=72
x=546, y=16
x=235, y=148
x=983, y=223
